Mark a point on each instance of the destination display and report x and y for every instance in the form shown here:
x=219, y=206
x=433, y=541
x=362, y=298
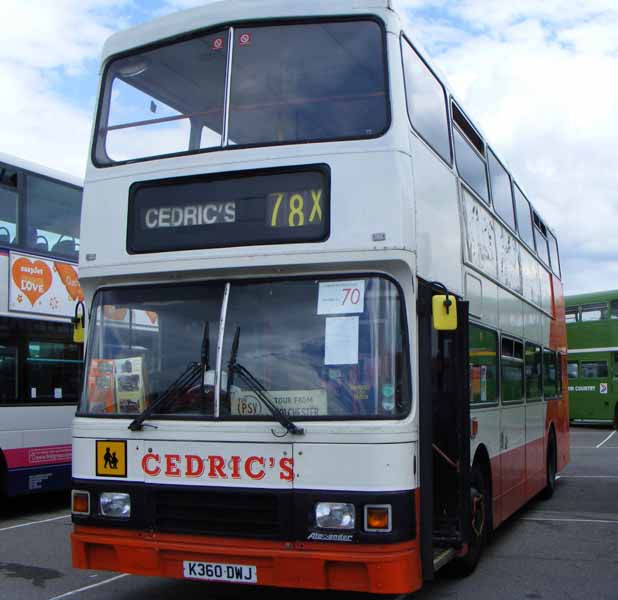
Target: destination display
x=274, y=206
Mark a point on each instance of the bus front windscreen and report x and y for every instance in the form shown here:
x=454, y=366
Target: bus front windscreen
x=318, y=349
x=286, y=83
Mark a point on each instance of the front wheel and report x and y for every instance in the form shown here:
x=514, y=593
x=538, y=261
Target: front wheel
x=479, y=497
x=550, y=469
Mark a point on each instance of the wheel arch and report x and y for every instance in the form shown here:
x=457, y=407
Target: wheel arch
x=481, y=458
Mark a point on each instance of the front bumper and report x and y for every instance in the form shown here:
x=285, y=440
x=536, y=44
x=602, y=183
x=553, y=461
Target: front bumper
x=373, y=568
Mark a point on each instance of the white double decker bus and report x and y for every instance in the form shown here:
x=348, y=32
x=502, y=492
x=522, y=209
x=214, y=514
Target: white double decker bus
x=284, y=209
x=40, y=365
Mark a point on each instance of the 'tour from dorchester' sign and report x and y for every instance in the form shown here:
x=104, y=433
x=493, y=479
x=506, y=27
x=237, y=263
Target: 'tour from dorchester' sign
x=42, y=286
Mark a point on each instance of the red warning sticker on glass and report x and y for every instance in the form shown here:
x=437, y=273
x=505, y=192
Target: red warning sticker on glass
x=218, y=43
x=244, y=39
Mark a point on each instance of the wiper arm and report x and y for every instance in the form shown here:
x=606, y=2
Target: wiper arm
x=187, y=379
x=235, y=368
x=180, y=386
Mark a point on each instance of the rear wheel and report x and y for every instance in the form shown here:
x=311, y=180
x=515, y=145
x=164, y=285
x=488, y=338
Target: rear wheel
x=479, y=498
x=551, y=468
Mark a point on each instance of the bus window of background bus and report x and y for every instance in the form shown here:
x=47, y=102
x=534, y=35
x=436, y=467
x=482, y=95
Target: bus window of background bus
x=594, y=312
x=573, y=369
x=593, y=369
x=8, y=373
x=615, y=364
x=524, y=218
x=511, y=371
x=9, y=199
x=614, y=309
x=501, y=191
x=165, y=101
x=534, y=370
x=52, y=217
x=426, y=100
x=316, y=81
x=571, y=314
x=53, y=371
x=483, y=366
x=550, y=386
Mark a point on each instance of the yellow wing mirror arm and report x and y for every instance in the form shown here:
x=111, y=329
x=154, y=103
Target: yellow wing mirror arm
x=444, y=309
x=78, y=323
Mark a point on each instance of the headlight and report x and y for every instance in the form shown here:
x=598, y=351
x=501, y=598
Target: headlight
x=334, y=515
x=114, y=504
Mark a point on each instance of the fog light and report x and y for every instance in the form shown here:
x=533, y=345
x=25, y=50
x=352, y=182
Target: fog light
x=378, y=517
x=80, y=502
x=114, y=504
x=334, y=515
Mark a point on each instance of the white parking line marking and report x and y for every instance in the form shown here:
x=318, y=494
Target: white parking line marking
x=566, y=520
x=589, y=476
x=35, y=522
x=89, y=587
x=609, y=437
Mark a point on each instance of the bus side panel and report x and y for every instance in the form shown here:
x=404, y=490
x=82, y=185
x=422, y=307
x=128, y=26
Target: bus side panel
x=558, y=410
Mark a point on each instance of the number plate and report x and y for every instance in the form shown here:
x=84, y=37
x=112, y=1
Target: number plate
x=219, y=572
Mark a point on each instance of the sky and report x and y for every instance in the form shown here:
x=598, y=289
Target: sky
x=538, y=78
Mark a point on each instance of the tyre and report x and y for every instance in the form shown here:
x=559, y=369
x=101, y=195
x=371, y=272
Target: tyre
x=551, y=468
x=479, y=492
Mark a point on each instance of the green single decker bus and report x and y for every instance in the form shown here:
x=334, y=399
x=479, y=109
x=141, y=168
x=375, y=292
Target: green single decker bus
x=592, y=331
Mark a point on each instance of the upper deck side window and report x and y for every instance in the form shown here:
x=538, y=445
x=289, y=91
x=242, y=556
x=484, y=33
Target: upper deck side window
x=288, y=83
x=613, y=309
x=53, y=211
x=524, y=218
x=469, y=154
x=540, y=239
x=596, y=311
x=572, y=314
x=9, y=202
x=501, y=191
x=554, y=255
x=426, y=102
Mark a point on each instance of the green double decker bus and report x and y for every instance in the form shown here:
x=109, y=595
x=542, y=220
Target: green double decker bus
x=592, y=331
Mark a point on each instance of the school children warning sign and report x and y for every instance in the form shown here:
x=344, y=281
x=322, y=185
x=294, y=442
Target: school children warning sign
x=43, y=286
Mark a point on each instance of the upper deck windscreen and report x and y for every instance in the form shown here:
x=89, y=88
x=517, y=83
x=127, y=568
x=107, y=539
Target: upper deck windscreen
x=286, y=83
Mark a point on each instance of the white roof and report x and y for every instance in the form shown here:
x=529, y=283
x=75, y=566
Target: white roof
x=226, y=11
x=40, y=169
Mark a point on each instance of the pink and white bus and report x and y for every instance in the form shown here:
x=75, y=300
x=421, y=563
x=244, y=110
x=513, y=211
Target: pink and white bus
x=40, y=365
x=284, y=209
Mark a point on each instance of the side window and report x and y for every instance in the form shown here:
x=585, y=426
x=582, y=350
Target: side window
x=540, y=239
x=524, y=218
x=573, y=369
x=571, y=314
x=594, y=312
x=483, y=366
x=512, y=371
x=52, y=217
x=8, y=373
x=553, y=254
x=614, y=309
x=594, y=369
x=426, y=102
x=469, y=154
x=53, y=371
x=559, y=357
x=534, y=370
x=550, y=389
x=501, y=192
x=9, y=199
x=615, y=365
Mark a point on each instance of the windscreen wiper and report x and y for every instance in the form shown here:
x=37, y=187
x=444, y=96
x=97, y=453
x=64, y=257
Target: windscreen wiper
x=235, y=368
x=193, y=374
